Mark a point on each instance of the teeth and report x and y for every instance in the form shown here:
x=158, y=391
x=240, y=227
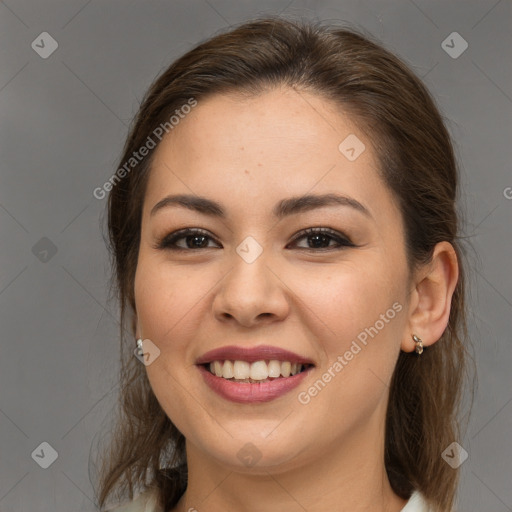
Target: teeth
x=218, y=368
x=286, y=368
x=258, y=371
x=241, y=370
x=228, y=371
x=274, y=369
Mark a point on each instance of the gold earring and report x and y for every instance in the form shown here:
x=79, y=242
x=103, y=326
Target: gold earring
x=419, y=344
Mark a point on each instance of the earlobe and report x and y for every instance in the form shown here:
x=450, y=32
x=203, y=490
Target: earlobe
x=432, y=297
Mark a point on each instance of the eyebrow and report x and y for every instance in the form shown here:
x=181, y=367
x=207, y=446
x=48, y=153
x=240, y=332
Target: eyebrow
x=283, y=208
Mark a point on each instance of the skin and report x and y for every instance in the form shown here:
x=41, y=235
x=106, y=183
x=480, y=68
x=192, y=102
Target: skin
x=248, y=154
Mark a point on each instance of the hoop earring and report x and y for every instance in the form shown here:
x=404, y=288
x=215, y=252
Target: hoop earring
x=419, y=344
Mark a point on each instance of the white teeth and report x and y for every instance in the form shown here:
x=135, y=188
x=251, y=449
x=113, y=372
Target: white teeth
x=286, y=368
x=218, y=368
x=244, y=371
x=274, y=369
x=241, y=370
x=228, y=371
x=259, y=370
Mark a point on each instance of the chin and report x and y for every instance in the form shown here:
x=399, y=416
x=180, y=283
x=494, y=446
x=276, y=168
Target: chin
x=256, y=454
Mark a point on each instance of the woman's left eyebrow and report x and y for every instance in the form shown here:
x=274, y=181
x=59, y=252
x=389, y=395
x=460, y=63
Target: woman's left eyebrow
x=283, y=208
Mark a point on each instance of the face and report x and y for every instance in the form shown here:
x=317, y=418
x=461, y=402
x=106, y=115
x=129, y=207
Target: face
x=252, y=280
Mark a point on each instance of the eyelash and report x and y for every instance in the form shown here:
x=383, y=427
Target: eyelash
x=168, y=242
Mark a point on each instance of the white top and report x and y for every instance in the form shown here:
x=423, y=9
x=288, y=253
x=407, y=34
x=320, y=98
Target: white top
x=416, y=503
x=146, y=502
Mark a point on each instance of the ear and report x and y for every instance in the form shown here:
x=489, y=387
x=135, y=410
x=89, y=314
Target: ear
x=431, y=297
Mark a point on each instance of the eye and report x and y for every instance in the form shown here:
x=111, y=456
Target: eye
x=198, y=239
x=194, y=239
x=322, y=237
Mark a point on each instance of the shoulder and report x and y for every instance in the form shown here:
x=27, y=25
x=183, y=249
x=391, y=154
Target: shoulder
x=416, y=503
x=144, y=502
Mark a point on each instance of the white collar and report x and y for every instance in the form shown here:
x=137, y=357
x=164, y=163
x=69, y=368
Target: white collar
x=416, y=503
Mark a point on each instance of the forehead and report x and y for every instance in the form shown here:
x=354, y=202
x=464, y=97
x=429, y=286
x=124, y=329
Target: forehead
x=254, y=151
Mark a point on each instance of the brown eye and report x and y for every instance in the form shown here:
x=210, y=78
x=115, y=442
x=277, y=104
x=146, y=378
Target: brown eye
x=194, y=239
x=321, y=239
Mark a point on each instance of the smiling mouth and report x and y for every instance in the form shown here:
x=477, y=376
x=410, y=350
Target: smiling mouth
x=255, y=372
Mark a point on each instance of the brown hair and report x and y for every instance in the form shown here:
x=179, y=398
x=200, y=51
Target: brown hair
x=417, y=163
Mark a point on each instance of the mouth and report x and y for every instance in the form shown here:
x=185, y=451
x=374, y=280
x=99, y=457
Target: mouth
x=253, y=374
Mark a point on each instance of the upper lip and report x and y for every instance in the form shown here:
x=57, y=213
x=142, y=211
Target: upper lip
x=252, y=354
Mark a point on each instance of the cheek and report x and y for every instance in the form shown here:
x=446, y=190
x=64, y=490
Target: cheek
x=358, y=331
x=165, y=298
x=165, y=301
x=345, y=301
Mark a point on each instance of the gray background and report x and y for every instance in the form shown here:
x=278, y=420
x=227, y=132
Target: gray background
x=64, y=120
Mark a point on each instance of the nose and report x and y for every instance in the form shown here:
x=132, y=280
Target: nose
x=251, y=294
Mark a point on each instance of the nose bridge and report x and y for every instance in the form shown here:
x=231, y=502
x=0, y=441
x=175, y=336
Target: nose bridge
x=250, y=290
x=251, y=268
x=250, y=277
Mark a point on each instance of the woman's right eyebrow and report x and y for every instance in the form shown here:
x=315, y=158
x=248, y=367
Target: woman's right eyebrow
x=283, y=208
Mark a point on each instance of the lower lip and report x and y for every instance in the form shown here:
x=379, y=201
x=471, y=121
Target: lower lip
x=245, y=392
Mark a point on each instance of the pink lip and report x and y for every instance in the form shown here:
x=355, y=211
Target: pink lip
x=252, y=354
x=245, y=392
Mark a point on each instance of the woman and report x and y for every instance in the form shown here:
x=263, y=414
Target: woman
x=285, y=245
